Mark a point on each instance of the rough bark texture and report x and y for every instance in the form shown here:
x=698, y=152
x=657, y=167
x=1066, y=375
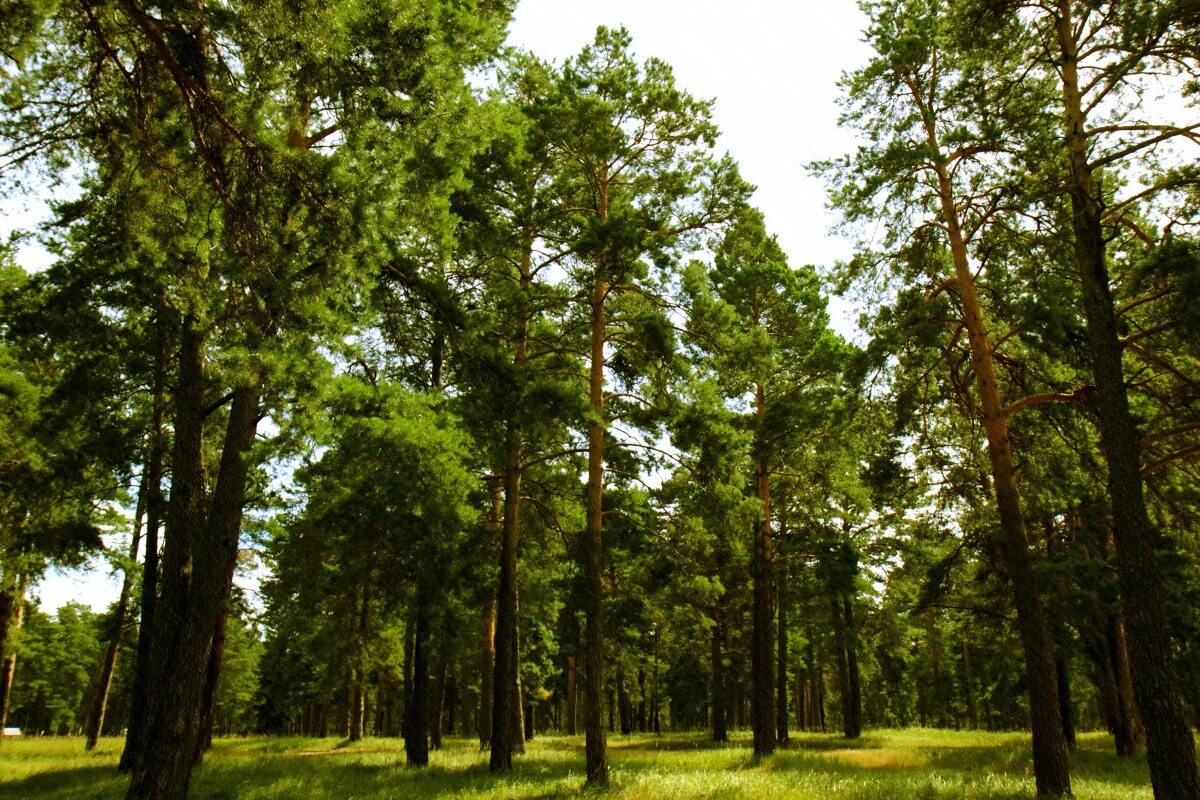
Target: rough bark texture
x=193, y=579
x=1170, y=749
x=762, y=700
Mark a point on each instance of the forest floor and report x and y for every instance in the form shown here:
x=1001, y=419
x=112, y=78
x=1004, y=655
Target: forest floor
x=911, y=764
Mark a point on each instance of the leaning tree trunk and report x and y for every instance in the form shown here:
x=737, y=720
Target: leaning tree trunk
x=134, y=734
x=1170, y=749
x=762, y=701
x=193, y=580
x=108, y=659
x=1051, y=766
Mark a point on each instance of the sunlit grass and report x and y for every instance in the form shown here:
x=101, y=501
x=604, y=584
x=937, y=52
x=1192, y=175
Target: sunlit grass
x=882, y=765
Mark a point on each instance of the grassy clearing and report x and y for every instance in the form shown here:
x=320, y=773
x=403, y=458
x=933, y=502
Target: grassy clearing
x=913, y=764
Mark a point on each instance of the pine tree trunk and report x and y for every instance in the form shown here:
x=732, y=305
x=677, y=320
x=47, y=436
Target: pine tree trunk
x=12, y=614
x=571, y=695
x=762, y=700
x=718, y=700
x=1170, y=748
x=852, y=723
x=504, y=685
x=595, y=747
x=969, y=687
x=487, y=656
x=138, y=700
x=1130, y=737
x=781, y=654
x=108, y=659
x=416, y=716
x=193, y=582
x=1051, y=766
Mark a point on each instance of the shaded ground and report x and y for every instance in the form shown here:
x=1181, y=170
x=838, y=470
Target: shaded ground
x=882, y=765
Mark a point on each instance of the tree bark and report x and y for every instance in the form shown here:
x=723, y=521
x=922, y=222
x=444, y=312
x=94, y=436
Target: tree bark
x=12, y=615
x=1051, y=766
x=108, y=659
x=571, y=695
x=416, y=715
x=134, y=734
x=781, y=654
x=718, y=700
x=1170, y=748
x=852, y=723
x=193, y=580
x=762, y=701
x=487, y=655
x=595, y=746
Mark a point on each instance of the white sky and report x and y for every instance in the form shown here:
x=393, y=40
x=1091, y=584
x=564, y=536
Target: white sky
x=773, y=68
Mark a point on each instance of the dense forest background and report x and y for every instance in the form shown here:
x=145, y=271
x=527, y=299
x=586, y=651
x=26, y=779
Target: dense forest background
x=491, y=371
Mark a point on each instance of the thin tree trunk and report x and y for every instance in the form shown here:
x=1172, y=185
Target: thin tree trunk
x=108, y=659
x=969, y=686
x=781, y=654
x=138, y=701
x=571, y=695
x=1170, y=748
x=487, y=656
x=719, y=700
x=1065, y=706
x=762, y=701
x=12, y=615
x=1131, y=740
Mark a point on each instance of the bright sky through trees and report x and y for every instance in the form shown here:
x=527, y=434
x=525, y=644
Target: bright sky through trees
x=772, y=68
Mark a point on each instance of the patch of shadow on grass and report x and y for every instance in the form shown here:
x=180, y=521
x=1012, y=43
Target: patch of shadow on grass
x=671, y=744
x=78, y=783
x=828, y=741
x=344, y=777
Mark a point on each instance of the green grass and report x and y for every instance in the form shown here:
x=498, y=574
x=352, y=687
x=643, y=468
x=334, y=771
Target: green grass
x=912, y=764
